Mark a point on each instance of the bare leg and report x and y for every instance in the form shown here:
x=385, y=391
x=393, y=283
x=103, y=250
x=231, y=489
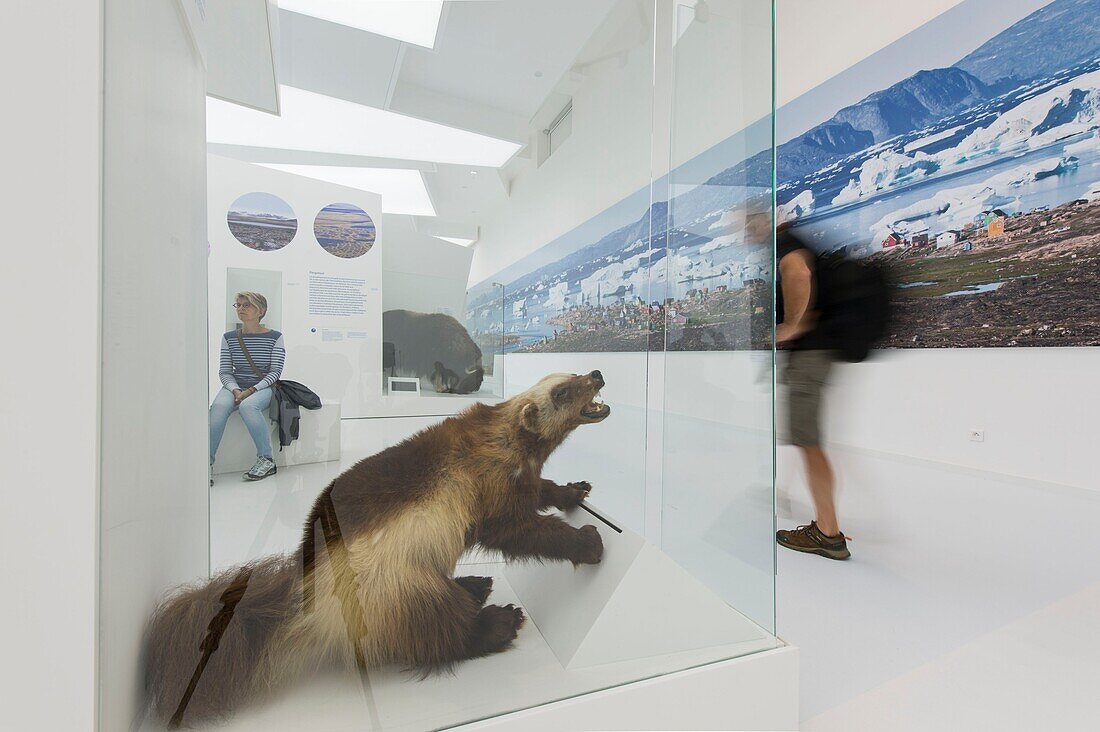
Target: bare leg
x=819, y=474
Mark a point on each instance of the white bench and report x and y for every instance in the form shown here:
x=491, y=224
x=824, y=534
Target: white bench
x=318, y=441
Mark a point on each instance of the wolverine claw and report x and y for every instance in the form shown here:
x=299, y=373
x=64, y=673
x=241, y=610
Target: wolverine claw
x=575, y=493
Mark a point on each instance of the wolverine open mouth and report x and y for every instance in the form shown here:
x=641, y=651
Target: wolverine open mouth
x=595, y=410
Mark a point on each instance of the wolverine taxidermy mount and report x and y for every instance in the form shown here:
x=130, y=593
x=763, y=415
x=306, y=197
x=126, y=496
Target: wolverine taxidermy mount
x=373, y=580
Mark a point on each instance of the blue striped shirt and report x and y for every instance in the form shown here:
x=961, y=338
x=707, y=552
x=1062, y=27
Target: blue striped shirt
x=267, y=351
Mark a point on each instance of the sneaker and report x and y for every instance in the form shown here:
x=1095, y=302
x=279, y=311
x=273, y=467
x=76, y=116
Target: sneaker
x=264, y=467
x=812, y=540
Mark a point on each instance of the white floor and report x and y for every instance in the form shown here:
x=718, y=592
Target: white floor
x=249, y=520
x=971, y=601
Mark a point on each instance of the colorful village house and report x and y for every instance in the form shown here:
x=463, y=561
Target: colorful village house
x=947, y=239
x=894, y=240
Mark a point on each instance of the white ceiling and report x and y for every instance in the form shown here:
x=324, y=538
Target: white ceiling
x=488, y=52
x=494, y=65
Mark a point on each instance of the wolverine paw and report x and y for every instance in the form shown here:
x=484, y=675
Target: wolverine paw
x=497, y=626
x=589, y=546
x=478, y=587
x=574, y=493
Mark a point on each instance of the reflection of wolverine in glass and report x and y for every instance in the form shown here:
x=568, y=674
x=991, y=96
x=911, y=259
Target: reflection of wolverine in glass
x=243, y=389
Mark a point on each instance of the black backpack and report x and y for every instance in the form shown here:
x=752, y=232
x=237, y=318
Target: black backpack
x=854, y=303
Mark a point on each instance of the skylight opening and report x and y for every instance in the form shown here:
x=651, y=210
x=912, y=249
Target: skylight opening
x=318, y=123
x=411, y=21
x=402, y=190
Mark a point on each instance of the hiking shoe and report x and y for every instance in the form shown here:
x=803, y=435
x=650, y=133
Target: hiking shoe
x=812, y=540
x=264, y=467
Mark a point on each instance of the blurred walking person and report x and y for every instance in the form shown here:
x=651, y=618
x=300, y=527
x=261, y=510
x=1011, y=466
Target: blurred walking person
x=829, y=309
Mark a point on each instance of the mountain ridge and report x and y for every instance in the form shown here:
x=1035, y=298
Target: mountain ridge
x=1056, y=36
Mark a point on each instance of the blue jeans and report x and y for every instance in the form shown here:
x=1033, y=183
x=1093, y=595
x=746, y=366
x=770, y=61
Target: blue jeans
x=252, y=412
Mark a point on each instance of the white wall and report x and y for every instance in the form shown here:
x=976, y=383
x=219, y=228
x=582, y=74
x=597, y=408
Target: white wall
x=348, y=370
x=1038, y=408
x=154, y=522
x=612, y=116
x=49, y=378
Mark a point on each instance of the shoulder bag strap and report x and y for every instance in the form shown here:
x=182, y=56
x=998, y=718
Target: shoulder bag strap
x=240, y=340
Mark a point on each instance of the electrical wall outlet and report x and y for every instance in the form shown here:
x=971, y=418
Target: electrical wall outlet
x=977, y=435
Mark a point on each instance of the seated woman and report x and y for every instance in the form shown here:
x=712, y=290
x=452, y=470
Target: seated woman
x=245, y=388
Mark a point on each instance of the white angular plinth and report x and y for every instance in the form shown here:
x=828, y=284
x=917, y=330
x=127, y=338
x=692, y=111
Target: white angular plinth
x=637, y=603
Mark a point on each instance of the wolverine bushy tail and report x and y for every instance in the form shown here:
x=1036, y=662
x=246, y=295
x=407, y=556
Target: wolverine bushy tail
x=231, y=621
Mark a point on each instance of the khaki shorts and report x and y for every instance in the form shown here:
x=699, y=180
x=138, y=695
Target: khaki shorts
x=805, y=376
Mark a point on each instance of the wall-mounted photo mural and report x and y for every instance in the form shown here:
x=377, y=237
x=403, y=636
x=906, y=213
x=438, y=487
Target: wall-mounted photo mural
x=262, y=221
x=977, y=184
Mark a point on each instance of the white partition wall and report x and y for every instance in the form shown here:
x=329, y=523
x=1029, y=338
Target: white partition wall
x=103, y=411
x=329, y=307
x=49, y=390
x=154, y=517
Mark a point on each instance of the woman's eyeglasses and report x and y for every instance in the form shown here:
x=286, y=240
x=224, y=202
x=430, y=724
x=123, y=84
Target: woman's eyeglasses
x=239, y=305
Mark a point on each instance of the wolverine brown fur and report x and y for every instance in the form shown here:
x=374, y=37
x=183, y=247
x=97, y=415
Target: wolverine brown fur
x=377, y=558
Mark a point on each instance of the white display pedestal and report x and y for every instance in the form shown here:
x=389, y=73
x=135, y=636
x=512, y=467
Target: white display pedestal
x=318, y=441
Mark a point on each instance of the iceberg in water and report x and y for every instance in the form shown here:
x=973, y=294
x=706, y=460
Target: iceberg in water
x=559, y=297
x=851, y=193
x=721, y=242
x=1084, y=146
x=1066, y=110
x=798, y=207
x=958, y=206
x=891, y=168
x=733, y=218
x=930, y=139
x=607, y=280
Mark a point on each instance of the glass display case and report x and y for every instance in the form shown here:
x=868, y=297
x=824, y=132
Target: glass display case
x=580, y=496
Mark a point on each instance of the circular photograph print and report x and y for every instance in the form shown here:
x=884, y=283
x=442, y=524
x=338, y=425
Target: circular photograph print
x=344, y=230
x=262, y=221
